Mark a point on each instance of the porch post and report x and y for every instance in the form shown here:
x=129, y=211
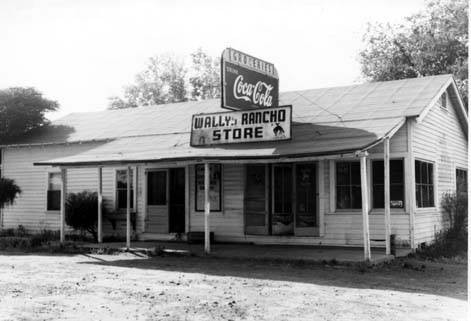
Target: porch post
x=100, y=204
x=207, y=209
x=63, y=200
x=364, y=208
x=128, y=207
x=387, y=197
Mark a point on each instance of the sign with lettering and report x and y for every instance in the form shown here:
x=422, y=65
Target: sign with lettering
x=245, y=126
x=247, y=82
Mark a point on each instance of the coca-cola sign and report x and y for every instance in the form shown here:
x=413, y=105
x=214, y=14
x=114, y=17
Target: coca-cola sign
x=247, y=82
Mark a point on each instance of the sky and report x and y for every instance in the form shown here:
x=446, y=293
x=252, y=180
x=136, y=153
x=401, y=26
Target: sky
x=82, y=52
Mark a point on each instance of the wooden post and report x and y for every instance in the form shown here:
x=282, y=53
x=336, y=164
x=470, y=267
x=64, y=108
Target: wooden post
x=63, y=200
x=387, y=197
x=207, y=209
x=365, y=210
x=128, y=207
x=100, y=205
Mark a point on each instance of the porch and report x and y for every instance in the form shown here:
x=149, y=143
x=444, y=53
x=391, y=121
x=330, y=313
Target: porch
x=286, y=253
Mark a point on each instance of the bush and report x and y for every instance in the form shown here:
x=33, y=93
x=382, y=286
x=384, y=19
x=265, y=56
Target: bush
x=81, y=212
x=8, y=191
x=453, y=240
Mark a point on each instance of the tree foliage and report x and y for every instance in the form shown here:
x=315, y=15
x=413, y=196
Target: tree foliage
x=8, y=191
x=21, y=110
x=81, y=211
x=167, y=79
x=205, y=81
x=432, y=42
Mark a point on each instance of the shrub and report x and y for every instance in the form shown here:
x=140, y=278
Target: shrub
x=81, y=212
x=8, y=191
x=453, y=240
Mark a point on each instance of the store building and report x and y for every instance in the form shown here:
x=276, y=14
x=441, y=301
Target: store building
x=325, y=185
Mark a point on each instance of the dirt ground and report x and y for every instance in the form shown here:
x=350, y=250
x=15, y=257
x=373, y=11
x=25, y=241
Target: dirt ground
x=130, y=287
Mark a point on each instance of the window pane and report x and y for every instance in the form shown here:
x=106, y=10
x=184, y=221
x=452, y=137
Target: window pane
x=122, y=198
x=417, y=172
x=53, y=200
x=356, y=196
x=343, y=197
x=397, y=171
x=343, y=174
x=157, y=188
x=461, y=181
x=55, y=182
x=378, y=196
x=378, y=172
x=355, y=173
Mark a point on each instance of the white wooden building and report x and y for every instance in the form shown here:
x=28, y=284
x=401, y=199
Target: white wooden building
x=304, y=191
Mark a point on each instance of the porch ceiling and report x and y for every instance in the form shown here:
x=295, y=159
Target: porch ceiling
x=308, y=139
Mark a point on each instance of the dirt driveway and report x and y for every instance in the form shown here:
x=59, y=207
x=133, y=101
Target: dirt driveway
x=128, y=287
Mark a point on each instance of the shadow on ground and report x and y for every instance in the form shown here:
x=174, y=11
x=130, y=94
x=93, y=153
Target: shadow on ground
x=431, y=278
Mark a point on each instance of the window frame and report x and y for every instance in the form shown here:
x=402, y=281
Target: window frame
x=404, y=183
x=46, y=203
x=221, y=188
x=134, y=184
x=444, y=101
x=334, y=189
x=456, y=178
x=434, y=184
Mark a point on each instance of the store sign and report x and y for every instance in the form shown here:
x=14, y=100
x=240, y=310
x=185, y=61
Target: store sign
x=247, y=82
x=247, y=126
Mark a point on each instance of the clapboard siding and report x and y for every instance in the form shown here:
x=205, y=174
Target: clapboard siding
x=229, y=223
x=439, y=139
x=29, y=209
x=398, y=143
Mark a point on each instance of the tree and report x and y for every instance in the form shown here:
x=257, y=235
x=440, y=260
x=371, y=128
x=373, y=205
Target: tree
x=8, y=191
x=21, y=110
x=432, y=42
x=81, y=211
x=166, y=79
x=161, y=82
x=205, y=81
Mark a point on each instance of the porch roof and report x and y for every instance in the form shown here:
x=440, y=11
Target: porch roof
x=308, y=140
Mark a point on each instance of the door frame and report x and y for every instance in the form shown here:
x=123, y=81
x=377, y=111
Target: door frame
x=307, y=231
x=169, y=197
x=146, y=198
x=258, y=230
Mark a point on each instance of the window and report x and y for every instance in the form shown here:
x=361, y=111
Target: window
x=348, y=185
x=396, y=186
x=424, y=193
x=214, y=187
x=121, y=189
x=54, y=183
x=443, y=100
x=157, y=188
x=461, y=181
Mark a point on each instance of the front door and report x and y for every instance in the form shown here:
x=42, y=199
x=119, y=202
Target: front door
x=176, y=216
x=157, y=201
x=306, y=200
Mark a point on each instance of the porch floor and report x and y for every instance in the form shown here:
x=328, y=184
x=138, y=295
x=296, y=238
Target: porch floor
x=251, y=251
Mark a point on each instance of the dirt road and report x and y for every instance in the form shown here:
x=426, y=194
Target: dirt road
x=127, y=287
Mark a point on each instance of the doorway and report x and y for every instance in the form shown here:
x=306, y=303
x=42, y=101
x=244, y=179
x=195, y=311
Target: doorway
x=165, y=200
x=177, y=201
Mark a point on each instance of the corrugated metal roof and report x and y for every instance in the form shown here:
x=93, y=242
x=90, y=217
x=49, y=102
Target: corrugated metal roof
x=327, y=120
x=398, y=98
x=308, y=140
